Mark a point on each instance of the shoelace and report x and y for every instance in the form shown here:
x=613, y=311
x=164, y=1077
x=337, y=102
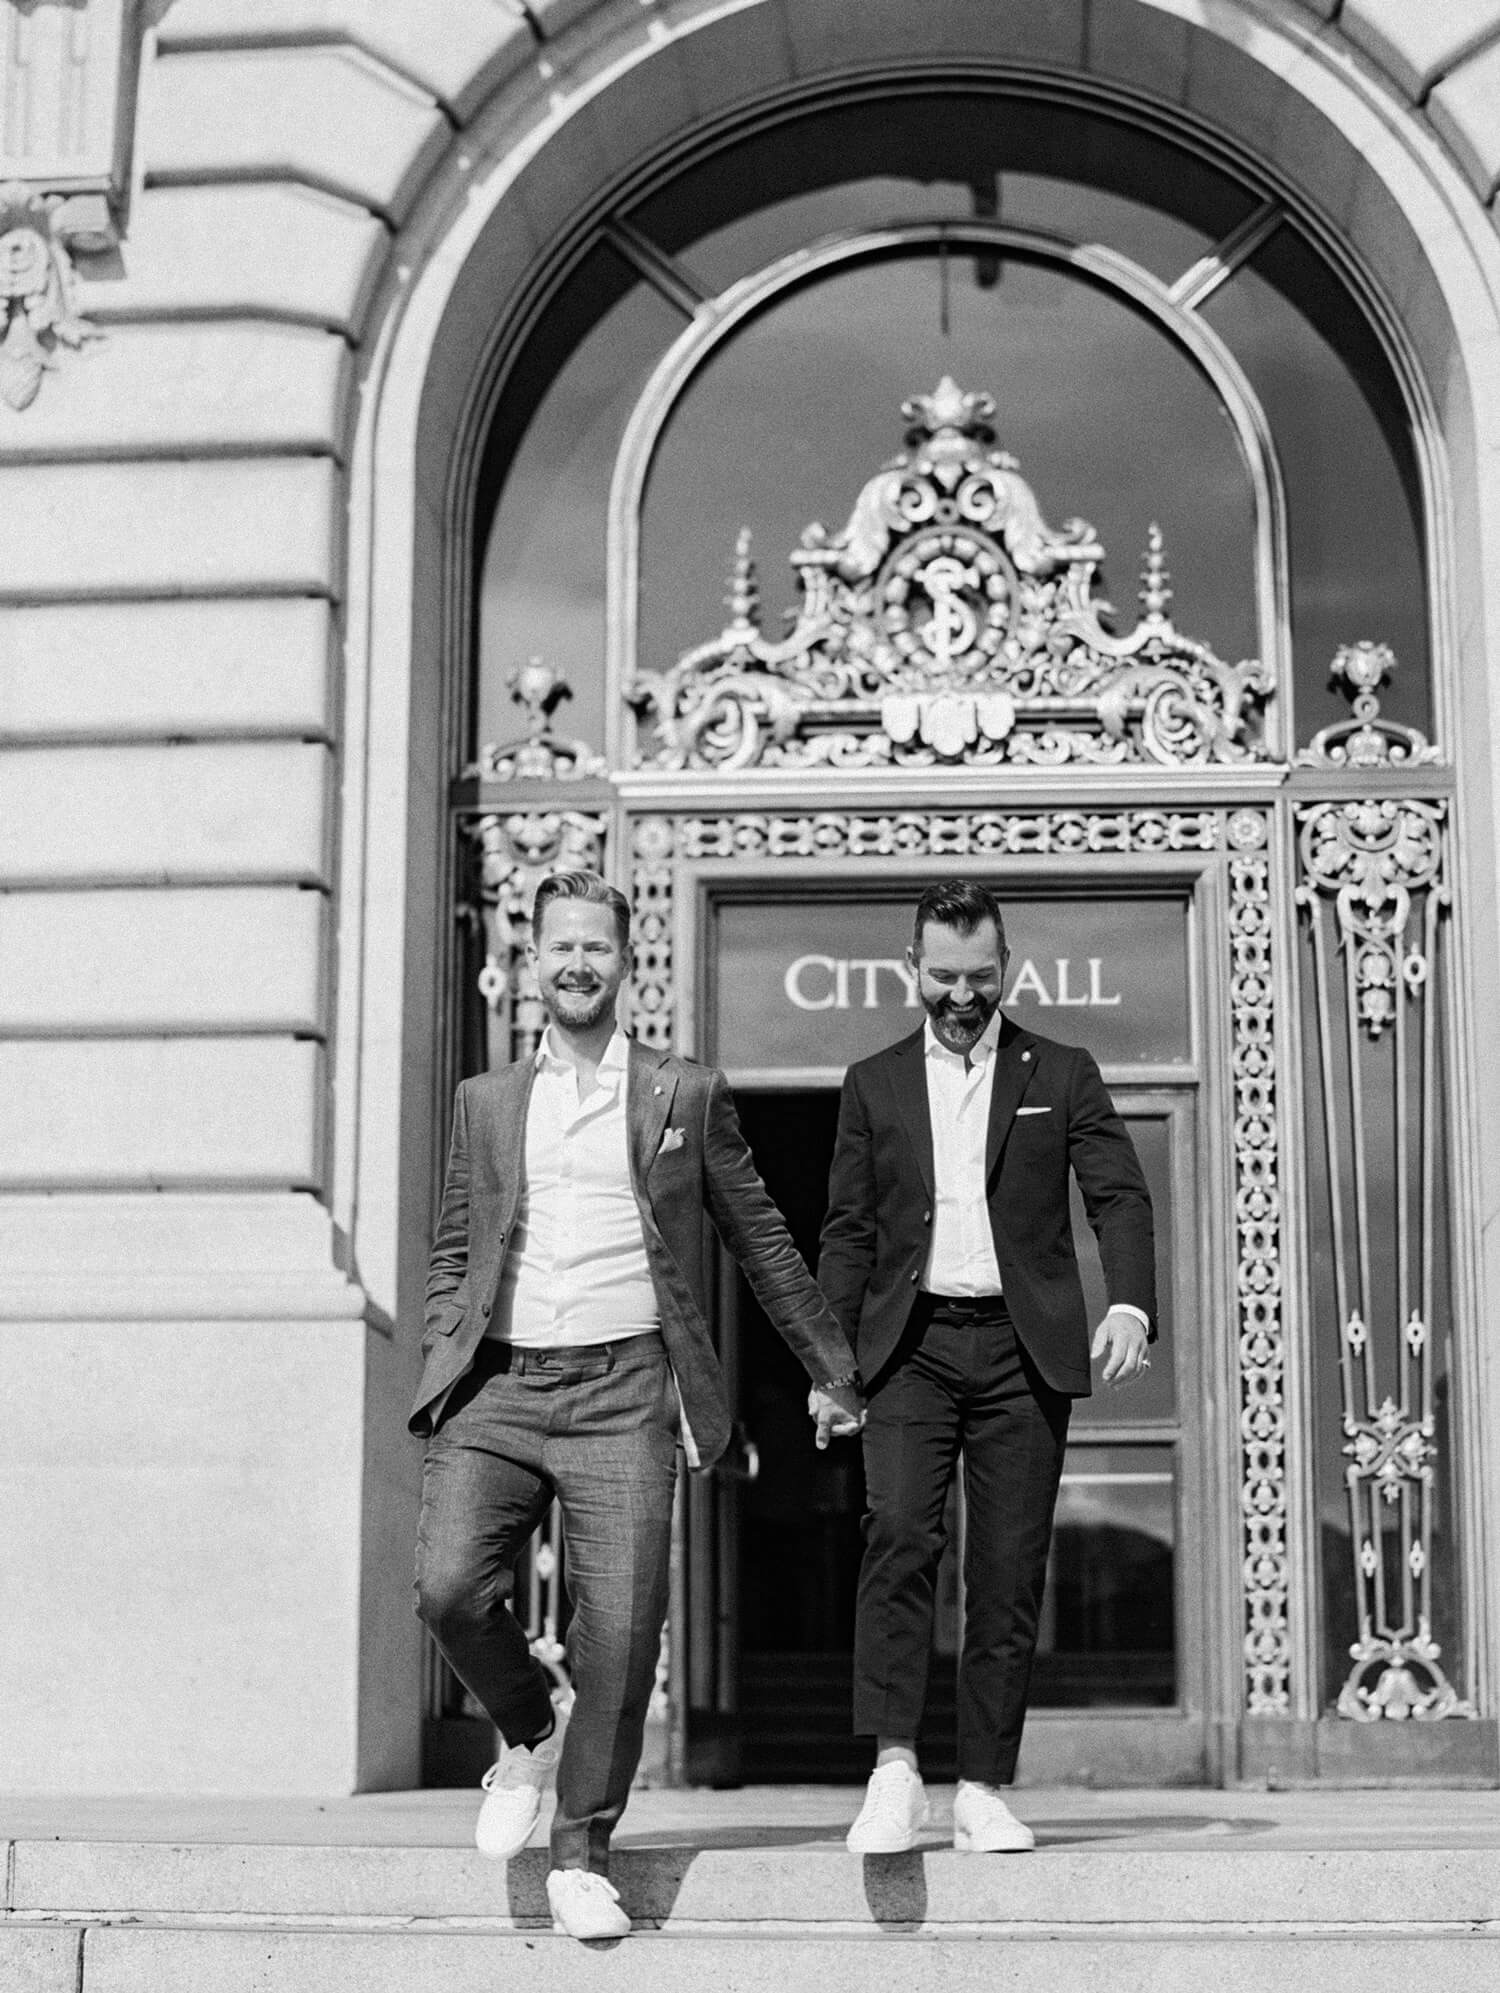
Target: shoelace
x=588, y=1882
x=508, y=1773
x=888, y=1794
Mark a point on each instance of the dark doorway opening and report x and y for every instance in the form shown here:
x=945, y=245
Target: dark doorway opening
x=1109, y=1633
x=798, y=1526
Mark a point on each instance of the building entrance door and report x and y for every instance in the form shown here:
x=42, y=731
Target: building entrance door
x=1121, y=1688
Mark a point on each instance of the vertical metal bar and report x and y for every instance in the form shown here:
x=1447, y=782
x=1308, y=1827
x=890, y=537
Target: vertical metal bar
x=1352, y=1483
x=1401, y=1180
x=1373, y=1496
x=535, y=1621
x=1330, y=1115
x=1423, y=1355
x=552, y=1615
x=1357, y=1129
x=1429, y=1105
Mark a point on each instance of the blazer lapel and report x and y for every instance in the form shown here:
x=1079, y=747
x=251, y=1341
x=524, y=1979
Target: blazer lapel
x=650, y=1087
x=1015, y=1063
x=908, y=1071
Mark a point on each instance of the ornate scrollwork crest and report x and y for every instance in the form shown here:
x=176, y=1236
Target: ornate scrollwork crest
x=38, y=295
x=947, y=622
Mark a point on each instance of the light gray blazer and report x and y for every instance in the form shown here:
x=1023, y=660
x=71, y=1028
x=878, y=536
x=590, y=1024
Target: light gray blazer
x=708, y=1173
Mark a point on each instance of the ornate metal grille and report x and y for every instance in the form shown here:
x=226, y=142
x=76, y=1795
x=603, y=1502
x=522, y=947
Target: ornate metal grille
x=1258, y=1285
x=1373, y=891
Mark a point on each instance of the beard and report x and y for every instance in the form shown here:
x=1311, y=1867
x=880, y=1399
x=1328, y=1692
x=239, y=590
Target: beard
x=960, y=1030
x=578, y=1009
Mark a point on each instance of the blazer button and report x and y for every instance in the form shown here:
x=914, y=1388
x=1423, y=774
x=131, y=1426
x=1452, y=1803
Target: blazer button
x=914, y=1276
x=926, y=1217
x=484, y=1307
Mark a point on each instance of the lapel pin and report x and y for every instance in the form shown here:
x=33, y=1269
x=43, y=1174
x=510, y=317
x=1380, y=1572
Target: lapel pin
x=656, y=1089
x=1024, y=1057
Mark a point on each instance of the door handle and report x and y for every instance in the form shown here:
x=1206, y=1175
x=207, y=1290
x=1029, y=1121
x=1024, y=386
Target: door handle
x=740, y=1460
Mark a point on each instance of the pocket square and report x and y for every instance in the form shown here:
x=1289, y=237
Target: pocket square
x=1033, y=1110
x=672, y=1138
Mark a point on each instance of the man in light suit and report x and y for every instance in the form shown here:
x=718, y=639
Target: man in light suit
x=567, y=1349
x=947, y=1253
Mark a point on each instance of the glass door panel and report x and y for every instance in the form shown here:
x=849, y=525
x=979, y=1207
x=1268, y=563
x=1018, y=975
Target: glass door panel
x=774, y=1539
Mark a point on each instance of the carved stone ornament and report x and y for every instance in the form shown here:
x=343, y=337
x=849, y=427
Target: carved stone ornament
x=948, y=623
x=38, y=295
x=1367, y=740
x=541, y=754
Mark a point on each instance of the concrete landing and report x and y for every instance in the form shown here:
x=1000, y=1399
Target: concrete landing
x=754, y=1889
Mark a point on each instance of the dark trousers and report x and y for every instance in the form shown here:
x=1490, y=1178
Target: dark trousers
x=959, y=1387
x=598, y=1430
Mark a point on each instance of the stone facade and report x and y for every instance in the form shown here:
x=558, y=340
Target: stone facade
x=225, y=525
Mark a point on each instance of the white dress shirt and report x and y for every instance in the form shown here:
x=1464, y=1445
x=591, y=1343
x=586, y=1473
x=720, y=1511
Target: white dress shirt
x=577, y=1270
x=961, y=1258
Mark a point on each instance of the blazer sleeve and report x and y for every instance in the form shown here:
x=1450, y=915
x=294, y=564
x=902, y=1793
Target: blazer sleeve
x=755, y=1233
x=1115, y=1196
x=846, y=1250
x=449, y=1262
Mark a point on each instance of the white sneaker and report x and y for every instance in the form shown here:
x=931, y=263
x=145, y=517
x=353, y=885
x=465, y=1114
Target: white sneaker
x=984, y=1825
x=513, y=1790
x=894, y=1812
x=585, y=1905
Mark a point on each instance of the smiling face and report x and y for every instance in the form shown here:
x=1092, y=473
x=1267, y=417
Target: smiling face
x=959, y=978
x=580, y=963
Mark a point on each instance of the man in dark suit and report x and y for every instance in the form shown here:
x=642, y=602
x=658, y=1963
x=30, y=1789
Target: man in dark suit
x=568, y=1347
x=947, y=1254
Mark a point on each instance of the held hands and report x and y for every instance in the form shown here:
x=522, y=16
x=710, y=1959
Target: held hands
x=838, y=1412
x=1124, y=1336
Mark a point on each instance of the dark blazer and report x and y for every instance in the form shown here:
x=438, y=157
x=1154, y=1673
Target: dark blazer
x=879, y=1224
x=705, y=1171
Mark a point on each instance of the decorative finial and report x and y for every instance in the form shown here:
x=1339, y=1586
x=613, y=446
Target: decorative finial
x=542, y=754
x=1368, y=740
x=743, y=599
x=541, y=690
x=1364, y=667
x=949, y=412
x=1156, y=587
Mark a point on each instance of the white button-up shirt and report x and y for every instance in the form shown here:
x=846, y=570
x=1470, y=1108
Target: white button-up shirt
x=961, y=1258
x=577, y=1270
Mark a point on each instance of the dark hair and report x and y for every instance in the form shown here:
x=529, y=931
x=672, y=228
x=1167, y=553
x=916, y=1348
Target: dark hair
x=962, y=904
x=581, y=886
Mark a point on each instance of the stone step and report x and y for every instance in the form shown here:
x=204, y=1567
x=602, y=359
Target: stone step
x=748, y=1891
x=796, y=1888
x=153, y=1960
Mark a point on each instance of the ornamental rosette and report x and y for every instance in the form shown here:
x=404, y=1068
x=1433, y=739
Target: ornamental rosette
x=38, y=295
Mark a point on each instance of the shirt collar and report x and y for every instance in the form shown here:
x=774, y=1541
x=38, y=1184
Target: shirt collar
x=982, y=1050
x=611, y=1067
